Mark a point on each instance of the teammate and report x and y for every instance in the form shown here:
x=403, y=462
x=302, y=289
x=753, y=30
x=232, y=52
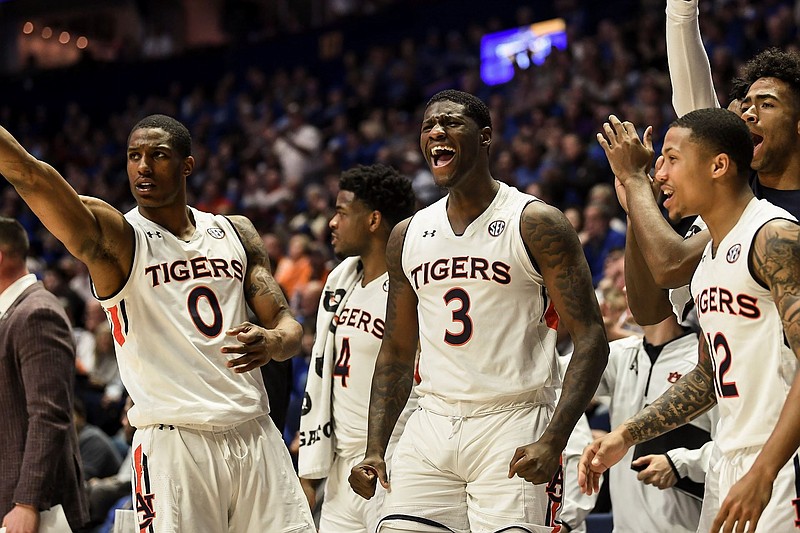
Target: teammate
x=639, y=370
x=480, y=280
x=350, y=326
x=746, y=291
x=175, y=282
x=769, y=93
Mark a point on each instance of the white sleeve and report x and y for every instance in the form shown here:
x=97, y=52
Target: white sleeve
x=689, y=68
x=575, y=504
x=692, y=463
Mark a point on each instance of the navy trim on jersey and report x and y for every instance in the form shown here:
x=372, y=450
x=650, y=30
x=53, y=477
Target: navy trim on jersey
x=241, y=241
x=417, y=519
x=796, y=464
x=534, y=264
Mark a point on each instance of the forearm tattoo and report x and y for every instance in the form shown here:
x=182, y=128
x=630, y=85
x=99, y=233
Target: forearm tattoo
x=393, y=378
x=557, y=252
x=691, y=396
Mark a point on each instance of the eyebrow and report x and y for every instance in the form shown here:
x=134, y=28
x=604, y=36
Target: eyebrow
x=759, y=96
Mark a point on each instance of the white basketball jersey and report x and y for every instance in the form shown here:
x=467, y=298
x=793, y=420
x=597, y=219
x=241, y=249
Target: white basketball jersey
x=753, y=366
x=357, y=341
x=487, y=325
x=169, y=322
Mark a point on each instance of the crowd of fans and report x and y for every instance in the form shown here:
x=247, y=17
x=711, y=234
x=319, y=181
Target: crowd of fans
x=271, y=145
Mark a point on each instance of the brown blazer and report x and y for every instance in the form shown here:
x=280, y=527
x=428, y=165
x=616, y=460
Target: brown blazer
x=40, y=464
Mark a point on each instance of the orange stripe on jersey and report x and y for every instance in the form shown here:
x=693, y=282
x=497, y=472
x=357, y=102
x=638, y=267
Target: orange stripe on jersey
x=551, y=317
x=137, y=465
x=116, y=326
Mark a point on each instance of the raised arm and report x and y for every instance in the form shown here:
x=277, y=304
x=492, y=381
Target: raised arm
x=557, y=252
x=689, y=69
x=671, y=259
x=92, y=231
x=394, y=369
x=278, y=337
x=649, y=303
x=691, y=396
x=776, y=261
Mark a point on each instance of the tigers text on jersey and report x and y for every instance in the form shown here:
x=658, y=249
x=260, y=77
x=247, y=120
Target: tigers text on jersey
x=358, y=337
x=487, y=326
x=753, y=367
x=169, y=322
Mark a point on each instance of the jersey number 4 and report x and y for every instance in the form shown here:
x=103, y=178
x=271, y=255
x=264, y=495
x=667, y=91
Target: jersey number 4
x=342, y=367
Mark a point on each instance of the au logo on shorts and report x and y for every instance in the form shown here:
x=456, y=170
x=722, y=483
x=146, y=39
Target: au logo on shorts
x=217, y=233
x=497, y=227
x=733, y=253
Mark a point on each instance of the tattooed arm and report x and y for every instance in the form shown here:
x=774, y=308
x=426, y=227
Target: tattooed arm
x=394, y=369
x=279, y=338
x=775, y=260
x=557, y=253
x=688, y=398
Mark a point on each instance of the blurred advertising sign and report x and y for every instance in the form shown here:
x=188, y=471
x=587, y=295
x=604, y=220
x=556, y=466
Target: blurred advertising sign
x=505, y=51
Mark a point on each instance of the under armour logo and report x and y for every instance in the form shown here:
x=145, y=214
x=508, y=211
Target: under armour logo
x=429, y=233
x=156, y=234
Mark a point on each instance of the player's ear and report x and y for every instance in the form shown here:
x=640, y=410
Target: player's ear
x=188, y=166
x=375, y=220
x=720, y=165
x=486, y=136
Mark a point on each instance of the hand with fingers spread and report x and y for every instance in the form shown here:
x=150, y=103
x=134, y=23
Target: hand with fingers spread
x=630, y=157
x=601, y=455
x=365, y=475
x=536, y=463
x=744, y=504
x=254, y=347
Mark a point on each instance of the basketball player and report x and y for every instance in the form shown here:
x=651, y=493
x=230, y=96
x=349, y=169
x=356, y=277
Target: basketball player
x=747, y=292
x=769, y=93
x=174, y=283
x=350, y=326
x=480, y=280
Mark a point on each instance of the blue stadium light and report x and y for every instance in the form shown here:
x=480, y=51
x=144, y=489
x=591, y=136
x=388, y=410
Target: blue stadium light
x=522, y=47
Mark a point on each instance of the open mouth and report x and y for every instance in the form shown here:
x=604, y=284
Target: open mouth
x=441, y=155
x=145, y=186
x=757, y=140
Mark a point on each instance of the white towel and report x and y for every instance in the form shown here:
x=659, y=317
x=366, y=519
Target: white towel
x=316, y=425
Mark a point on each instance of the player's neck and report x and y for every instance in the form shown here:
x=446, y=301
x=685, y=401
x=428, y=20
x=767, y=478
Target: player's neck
x=374, y=263
x=787, y=179
x=178, y=221
x=465, y=204
x=724, y=214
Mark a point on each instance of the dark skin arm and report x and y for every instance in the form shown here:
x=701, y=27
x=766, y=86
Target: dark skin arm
x=688, y=398
x=648, y=302
x=555, y=248
x=776, y=261
x=394, y=370
x=279, y=338
x=671, y=259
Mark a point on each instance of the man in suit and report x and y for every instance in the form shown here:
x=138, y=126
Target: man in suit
x=41, y=465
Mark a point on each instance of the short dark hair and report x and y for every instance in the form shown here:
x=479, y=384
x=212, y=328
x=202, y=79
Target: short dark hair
x=179, y=136
x=381, y=188
x=771, y=63
x=13, y=238
x=720, y=131
x=474, y=106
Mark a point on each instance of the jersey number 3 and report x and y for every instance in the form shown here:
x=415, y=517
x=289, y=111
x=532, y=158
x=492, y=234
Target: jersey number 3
x=460, y=315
